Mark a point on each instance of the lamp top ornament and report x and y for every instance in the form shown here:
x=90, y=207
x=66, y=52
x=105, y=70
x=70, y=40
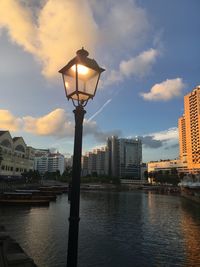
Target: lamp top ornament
x=81, y=76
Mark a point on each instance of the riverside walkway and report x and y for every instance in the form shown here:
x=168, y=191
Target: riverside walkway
x=11, y=254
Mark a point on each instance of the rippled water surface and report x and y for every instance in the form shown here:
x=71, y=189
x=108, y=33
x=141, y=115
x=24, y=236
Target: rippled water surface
x=124, y=229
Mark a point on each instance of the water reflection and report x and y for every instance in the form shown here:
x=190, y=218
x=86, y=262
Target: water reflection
x=191, y=232
x=116, y=229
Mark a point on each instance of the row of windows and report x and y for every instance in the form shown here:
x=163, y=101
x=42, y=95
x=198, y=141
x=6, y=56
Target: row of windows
x=8, y=152
x=10, y=168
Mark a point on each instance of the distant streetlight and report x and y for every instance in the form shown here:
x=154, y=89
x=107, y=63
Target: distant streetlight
x=80, y=76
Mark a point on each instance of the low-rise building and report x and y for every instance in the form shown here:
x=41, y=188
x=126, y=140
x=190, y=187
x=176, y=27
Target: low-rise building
x=17, y=157
x=167, y=165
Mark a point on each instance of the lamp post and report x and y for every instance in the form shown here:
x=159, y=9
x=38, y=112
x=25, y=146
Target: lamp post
x=80, y=76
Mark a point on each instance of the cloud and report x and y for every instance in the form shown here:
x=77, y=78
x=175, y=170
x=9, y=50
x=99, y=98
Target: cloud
x=165, y=91
x=149, y=141
x=9, y=121
x=172, y=146
x=18, y=21
x=91, y=128
x=138, y=66
x=169, y=134
x=58, y=29
x=122, y=21
x=168, y=138
x=58, y=124
x=52, y=30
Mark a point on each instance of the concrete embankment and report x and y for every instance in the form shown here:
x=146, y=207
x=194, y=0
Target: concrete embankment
x=11, y=254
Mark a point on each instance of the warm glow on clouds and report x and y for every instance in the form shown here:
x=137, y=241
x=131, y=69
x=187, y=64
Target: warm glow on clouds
x=8, y=121
x=53, y=37
x=60, y=27
x=18, y=21
x=57, y=123
x=62, y=30
x=165, y=90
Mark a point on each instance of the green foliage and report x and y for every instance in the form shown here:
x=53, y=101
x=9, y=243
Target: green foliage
x=100, y=179
x=169, y=178
x=31, y=176
x=52, y=175
x=66, y=176
x=146, y=175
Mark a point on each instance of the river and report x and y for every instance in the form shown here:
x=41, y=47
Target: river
x=117, y=229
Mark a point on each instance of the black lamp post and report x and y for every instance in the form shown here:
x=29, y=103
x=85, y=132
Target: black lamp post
x=80, y=76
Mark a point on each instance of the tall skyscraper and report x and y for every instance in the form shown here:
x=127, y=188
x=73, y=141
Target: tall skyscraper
x=182, y=138
x=189, y=130
x=125, y=157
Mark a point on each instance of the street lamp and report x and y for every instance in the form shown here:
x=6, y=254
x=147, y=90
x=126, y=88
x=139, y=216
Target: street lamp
x=80, y=76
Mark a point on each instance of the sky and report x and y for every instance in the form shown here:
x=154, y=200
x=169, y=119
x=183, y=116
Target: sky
x=150, y=50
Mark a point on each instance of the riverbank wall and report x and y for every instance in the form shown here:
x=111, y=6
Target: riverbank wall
x=11, y=254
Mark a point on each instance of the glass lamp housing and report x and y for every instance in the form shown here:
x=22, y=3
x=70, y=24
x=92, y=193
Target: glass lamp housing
x=81, y=76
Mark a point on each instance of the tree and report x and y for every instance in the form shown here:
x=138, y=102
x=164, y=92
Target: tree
x=31, y=176
x=169, y=178
x=146, y=175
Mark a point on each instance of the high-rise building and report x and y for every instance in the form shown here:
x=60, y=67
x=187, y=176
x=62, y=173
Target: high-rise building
x=95, y=162
x=182, y=138
x=113, y=152
x=49, y=162
x=102, y=161
x=189, y=130
x=56, y=162
x=125, y=157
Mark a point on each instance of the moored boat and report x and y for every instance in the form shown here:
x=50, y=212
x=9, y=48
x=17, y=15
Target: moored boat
x=24, y=201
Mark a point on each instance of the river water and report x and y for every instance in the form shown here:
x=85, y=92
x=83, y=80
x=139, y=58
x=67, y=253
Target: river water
x=125, y=229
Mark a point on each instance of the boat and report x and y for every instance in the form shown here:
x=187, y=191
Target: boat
x=39, y=194
x=58, y=189
x=24, y=202
x=23, y=198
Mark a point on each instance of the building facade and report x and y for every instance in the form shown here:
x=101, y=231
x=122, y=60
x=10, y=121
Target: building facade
x=95, y=162
x=49, y=162
x=125, y=157
x=167, y=165
x=189, y=130
x=17, y=157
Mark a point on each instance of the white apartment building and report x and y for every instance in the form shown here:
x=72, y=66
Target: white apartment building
x=49, y=162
